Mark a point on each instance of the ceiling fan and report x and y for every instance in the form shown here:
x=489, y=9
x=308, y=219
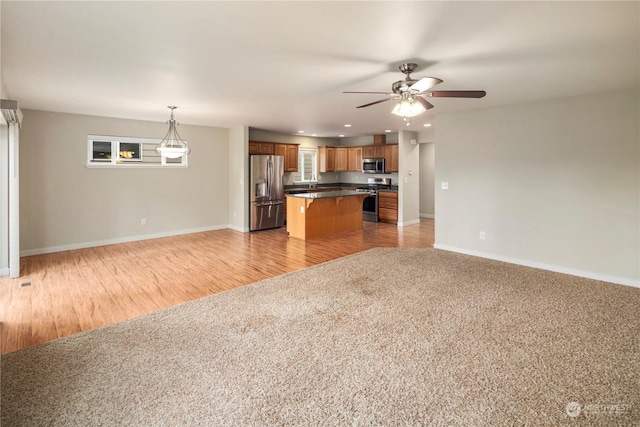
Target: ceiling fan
x=412, y=93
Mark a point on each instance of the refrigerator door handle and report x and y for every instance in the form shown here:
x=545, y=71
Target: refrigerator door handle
x=269, y=177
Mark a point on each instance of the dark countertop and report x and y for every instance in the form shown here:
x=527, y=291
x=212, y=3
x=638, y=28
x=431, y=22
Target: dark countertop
x=293, y=189
x=327, y=194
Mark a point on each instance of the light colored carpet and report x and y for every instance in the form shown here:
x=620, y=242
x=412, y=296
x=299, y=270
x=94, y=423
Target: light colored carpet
x=388, y=337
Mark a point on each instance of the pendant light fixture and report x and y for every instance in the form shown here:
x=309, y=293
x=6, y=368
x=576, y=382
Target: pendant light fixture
x=172, y=146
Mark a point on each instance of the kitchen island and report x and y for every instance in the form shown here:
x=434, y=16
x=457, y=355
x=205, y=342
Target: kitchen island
x=328, y=212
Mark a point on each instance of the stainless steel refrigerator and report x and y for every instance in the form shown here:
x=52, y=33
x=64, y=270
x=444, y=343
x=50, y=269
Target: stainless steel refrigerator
x=266, y=192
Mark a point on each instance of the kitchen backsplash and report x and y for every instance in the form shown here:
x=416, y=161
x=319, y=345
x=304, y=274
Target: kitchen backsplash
x=350, y=177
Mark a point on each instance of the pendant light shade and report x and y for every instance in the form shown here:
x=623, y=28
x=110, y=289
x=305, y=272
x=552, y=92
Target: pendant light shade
x=172, y=146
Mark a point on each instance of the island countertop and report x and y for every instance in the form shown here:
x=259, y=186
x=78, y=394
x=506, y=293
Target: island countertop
x=327, y=194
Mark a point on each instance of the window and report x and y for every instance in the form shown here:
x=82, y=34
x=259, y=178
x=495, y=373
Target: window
x=129, y=151
x=307, y=165
x=116, y=151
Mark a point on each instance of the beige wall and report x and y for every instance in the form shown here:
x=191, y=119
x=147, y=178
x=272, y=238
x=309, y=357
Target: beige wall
x=427, y=184
x=554, y=184
x=64, y=204
x=4, y=190
x=239, y=178
x=408, y=179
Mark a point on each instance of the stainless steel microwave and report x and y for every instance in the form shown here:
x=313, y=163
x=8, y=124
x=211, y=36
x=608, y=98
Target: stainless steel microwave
x=373, y=165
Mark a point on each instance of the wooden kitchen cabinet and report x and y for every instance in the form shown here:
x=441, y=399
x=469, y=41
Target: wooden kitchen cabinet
x=326, y=159
x=341, y=159
x=256, y=147
x=291, y=158
x=290, y=154
x=288, y=151
x=391, y=158
x=388, y=206
x=367, y=151
x=354, y=159
x=372, y=151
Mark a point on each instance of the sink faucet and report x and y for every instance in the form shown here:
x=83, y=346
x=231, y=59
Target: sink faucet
x=311, y=179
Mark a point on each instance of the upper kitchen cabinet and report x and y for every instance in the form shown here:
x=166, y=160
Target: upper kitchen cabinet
x=290, y=154
x=379, y=139
x=371, y=151
x=288, y=151
x=354, y=159
x=326, y=159
x=341, y=159
x=391, y=158
x=291, y=158
x=256, y=147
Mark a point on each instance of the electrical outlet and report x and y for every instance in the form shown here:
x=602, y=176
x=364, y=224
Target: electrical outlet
x=482, y=235
x=143, y=221
x=301, y=209
x=444, y=185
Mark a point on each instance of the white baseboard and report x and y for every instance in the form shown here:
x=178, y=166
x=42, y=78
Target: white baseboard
x=404, y=224
x=4, y=271
x=240, y=229
x=422, y=215
x=127, y=239
x=558, y=269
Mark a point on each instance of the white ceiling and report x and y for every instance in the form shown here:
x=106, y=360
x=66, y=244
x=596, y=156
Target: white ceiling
x=283, y=66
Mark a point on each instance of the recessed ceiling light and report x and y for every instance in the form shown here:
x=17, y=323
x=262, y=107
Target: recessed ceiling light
x=341, y=136
x=347, y=125
x=300, y=131
x=313, y=134
x=427, y=125
x=388, y=130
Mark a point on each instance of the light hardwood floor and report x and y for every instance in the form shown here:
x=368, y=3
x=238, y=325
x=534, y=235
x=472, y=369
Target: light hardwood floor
x=63, y=293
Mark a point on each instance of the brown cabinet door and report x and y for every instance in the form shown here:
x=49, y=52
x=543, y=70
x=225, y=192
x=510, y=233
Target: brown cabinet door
x=391, y=158
x=341, y=159
x=354, y=159
x=388, y=206
x=331, y=159
x=291, y=158
x=280, y=150
x=266, y=148
x=326, y=159
x=257, y=147
x=368, y=151
x=378, y=151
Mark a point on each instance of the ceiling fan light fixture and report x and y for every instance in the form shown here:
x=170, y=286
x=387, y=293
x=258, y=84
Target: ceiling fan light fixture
x=172, y=146
x=408, y=107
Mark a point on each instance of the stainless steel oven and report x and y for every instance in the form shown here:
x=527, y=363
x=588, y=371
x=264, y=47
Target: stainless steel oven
x=370, y=203
x=370, y=207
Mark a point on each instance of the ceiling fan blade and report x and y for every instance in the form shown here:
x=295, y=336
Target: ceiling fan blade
x=374, y=102
x=425, y=83
x=458, y=93
x=380, y=93
x=426, y=104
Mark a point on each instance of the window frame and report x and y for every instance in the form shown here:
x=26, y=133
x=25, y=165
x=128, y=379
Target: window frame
x=314, y=163
x=139, y=162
